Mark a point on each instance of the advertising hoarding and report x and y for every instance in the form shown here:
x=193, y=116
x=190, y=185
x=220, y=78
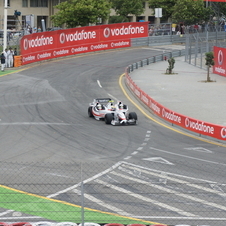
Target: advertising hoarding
x=219, y=61
x=52, y=44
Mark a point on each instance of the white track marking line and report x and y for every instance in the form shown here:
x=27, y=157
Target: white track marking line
x=75, y=186
x=139, y=149
x=6, y=212
x=182, y=218
x=146, y=199
x=170, y=191
x=86, y=181
x=137, y=167
x=165, y=176
x=203, y=160
x=200, y=149
x=98, y=82
x=32, y=123
x=100, y=202
x=14, y=218
x=128, y=157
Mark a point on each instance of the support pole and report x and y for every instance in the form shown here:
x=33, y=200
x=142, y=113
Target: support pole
x=5, y=26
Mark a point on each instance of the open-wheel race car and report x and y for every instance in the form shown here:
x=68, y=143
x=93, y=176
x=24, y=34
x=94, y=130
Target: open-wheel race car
x=114, y=114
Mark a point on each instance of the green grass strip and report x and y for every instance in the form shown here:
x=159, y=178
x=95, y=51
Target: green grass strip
x=57, y=210
x=2, y=73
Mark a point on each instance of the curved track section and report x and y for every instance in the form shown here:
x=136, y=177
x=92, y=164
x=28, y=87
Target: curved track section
x=43, y=112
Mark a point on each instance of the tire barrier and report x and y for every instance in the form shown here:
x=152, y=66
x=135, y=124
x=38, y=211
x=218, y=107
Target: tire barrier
x=47, y=223
x=89, y=224
x=136, y=225
x=21, y=224
x=66, y=224
x=114, y=224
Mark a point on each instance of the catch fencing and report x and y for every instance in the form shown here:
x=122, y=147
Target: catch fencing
x=146, y=192
x=197, y=45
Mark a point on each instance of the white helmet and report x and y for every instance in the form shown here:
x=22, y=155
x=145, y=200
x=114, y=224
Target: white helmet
x=99, y=106
x=120, y=106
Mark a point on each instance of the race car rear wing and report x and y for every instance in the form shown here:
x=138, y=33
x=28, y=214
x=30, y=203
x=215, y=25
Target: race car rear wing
x=103, y=100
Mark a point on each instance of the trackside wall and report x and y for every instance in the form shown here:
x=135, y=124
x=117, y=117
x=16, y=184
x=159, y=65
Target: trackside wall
x=52, y=44
x=197, y=126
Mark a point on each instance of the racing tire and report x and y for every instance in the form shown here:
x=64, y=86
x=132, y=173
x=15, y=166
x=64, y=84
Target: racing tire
x=108, y=118
x=133, y=115
x=90, y=114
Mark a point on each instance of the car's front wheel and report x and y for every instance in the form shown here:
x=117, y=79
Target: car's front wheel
x=133, y=115
x=108, y=118
x=90, y=114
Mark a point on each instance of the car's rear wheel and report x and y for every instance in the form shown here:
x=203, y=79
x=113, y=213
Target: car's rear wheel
x=133, y=115
x=108, y=118
x=90, y=114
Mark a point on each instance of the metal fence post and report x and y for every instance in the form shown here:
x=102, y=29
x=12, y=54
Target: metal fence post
x=82, y=199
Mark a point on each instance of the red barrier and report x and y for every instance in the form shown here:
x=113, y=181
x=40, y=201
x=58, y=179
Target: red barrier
x=52, y=44
x=4, y=224
x=219, y=60
x=20, y=224
x=136, y=225
x=114, y=224
x=194, y=125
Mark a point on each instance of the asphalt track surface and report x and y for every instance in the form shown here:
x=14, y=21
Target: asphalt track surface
x=45, y=129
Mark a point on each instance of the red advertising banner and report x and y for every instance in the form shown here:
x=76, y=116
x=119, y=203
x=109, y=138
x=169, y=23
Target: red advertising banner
x=219, y=60
x=197, y=126
x=51, y=44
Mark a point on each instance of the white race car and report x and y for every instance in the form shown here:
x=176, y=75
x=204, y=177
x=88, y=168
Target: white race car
x=114, y=114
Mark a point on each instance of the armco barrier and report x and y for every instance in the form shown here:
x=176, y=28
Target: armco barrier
x=197, y=126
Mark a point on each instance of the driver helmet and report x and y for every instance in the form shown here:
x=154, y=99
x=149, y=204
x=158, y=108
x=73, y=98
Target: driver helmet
x=113, y=108
x=120, y=105
x=99, y=106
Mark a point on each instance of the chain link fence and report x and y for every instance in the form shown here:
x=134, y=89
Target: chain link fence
x=125, y=193
x=197, y=45
x=13, y=40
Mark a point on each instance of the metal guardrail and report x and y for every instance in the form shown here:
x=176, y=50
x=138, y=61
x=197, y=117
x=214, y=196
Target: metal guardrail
x=153, y=59
x=174, y=39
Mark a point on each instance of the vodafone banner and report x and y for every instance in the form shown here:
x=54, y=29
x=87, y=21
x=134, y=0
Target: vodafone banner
x=219, y=60
x=51, y=44
x=197, y=126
